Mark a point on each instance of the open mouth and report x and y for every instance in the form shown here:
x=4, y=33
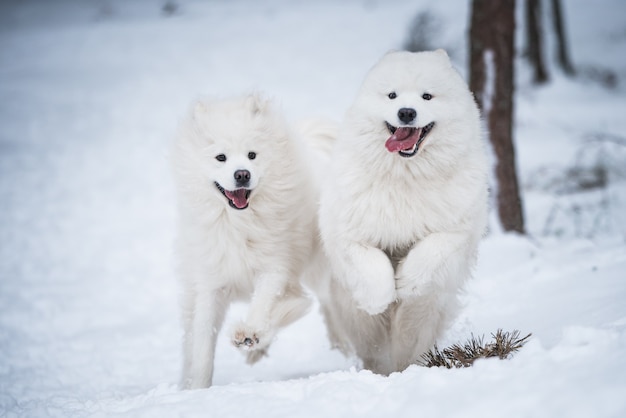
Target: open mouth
x=406, y=140
x=238, y=199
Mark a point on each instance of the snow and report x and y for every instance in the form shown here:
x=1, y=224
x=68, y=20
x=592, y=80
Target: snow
x=92, y=93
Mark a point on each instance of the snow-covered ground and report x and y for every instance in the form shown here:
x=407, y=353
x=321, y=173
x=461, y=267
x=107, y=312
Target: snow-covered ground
x=91, y=93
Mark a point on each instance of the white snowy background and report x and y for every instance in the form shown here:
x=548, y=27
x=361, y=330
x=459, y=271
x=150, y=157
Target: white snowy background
x=90, y=95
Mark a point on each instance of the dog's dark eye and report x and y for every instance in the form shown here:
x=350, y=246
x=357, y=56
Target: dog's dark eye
x=427, y=96
x=220, y=157
x=251, y=155
x=392, y=95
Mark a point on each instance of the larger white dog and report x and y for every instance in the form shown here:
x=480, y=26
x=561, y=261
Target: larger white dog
x=247, y=227
x=404, y=209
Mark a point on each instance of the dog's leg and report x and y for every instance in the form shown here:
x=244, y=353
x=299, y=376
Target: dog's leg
x=428, y=281
x=255, y=332
x=418, y=323
x=368, y=274
x=289, y=307
x=441, y=260
x=201, y=337
x=188, y=301
x=286, y=309
x=274, y=305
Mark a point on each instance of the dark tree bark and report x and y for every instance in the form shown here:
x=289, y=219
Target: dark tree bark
x=492, y=52
x=534, y=41
x=562, y=50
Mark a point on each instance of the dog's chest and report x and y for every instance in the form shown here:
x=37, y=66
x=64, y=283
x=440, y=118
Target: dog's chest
x=246, y=248
x=398, y=214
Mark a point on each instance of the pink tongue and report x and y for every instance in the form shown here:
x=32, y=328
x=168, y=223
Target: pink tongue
x=403, y=139
x=238, y=197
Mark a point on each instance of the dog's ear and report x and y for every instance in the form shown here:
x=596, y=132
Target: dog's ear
x=257, y=103
x=199, y=109
x=443, y=56
x=442, y=52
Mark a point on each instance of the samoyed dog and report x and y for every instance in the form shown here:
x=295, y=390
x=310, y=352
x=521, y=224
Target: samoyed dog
x=403, y=210
x=247, y=227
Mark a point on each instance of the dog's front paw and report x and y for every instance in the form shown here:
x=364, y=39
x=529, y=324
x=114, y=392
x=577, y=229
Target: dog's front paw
x=407, y=287
x=410, y=282
x=375, y=289
x=248, y=338
x=250, y=341
x=244, y=340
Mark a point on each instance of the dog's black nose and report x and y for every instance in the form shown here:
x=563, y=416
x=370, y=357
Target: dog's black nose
x=406, y=114
x=242, y=177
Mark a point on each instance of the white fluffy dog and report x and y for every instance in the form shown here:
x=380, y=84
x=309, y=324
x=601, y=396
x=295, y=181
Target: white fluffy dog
x=247, y=227
x=403, y=210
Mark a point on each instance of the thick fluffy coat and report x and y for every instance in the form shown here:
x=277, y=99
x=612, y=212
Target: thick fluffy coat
x=403, y=209
x=247, y=228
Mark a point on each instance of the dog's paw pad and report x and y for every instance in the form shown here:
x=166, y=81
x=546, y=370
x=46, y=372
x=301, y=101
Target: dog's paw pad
x=245, y=340
x=248, y=342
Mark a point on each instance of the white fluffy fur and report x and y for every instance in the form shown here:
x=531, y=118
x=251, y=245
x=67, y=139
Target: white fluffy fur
x=258, y=253
x=402, y=233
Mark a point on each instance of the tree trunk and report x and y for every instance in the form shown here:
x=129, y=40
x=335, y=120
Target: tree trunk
x=562, y=50
x=492, y=51
x=534, y=41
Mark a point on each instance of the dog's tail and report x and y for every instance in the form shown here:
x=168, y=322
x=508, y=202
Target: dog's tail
x=318, y=137
x=319, y=134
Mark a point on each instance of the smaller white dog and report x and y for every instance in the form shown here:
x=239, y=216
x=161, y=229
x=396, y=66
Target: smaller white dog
x=247, y=227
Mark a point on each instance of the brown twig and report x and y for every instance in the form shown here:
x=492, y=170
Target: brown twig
x=503, y=346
